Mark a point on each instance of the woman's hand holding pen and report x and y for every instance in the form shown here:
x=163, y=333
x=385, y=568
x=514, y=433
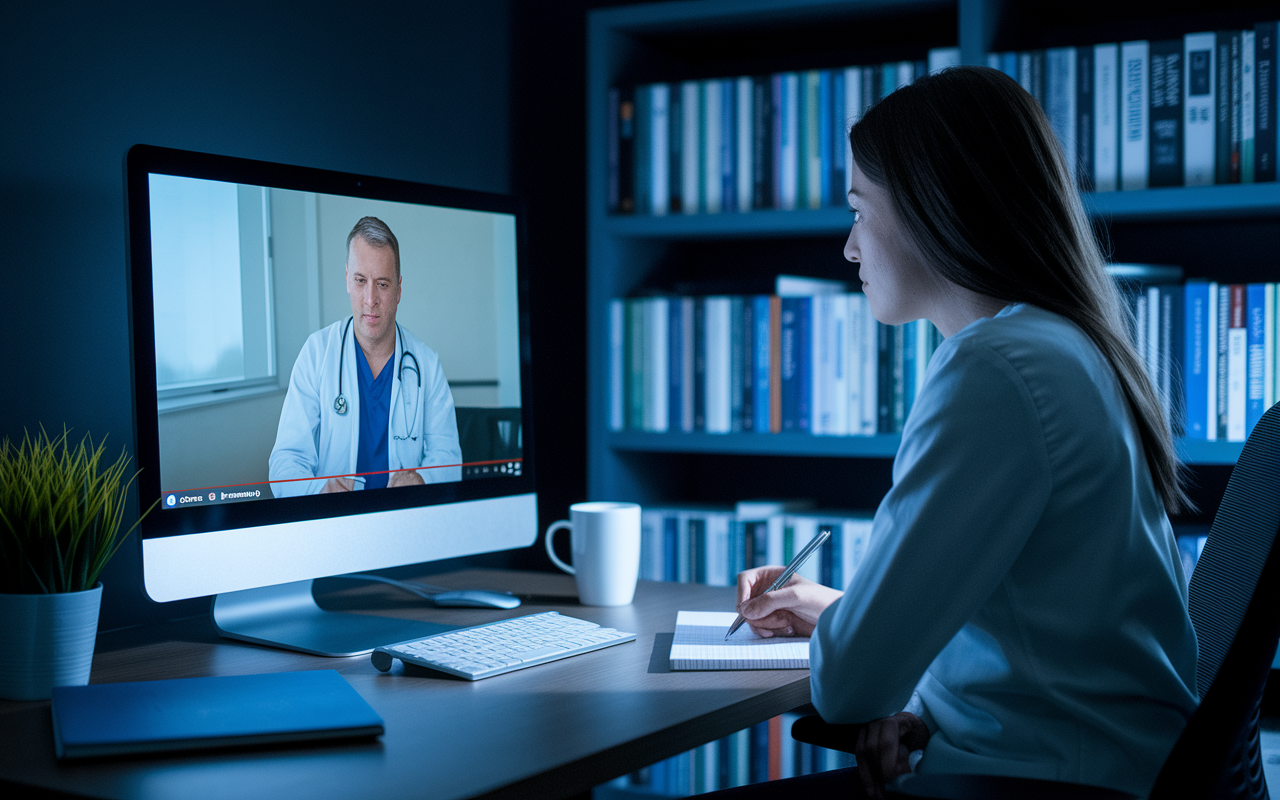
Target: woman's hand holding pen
x=792, y=610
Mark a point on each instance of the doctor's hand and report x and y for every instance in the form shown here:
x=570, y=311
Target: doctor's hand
x=884, y=747
x=792, y=610
x=338, y=485
x=405, y=478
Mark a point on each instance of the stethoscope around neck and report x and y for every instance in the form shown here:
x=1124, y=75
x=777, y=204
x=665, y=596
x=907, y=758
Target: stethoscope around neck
x=340, y=402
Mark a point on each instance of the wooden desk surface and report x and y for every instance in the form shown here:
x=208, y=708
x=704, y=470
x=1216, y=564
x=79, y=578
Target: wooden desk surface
x=548, y=731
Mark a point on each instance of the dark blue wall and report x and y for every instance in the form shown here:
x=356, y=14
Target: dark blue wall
x=420, y=92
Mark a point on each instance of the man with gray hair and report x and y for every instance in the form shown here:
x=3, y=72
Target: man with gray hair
x=368, y=405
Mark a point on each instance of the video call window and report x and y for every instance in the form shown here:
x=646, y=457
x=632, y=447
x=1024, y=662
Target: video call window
x=255, y=321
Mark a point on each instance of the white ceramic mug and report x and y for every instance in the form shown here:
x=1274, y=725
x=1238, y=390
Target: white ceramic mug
x=605, y=540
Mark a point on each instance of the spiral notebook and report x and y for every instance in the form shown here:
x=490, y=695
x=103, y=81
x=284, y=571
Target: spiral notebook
x=699, y=644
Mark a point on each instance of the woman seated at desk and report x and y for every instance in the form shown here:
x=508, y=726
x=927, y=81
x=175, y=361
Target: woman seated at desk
x=1022, y=597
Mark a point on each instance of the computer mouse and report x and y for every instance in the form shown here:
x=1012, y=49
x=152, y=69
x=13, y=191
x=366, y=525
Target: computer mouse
x=475, y=598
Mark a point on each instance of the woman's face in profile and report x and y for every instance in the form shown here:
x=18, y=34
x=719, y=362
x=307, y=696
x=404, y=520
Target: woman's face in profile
x=899, y=287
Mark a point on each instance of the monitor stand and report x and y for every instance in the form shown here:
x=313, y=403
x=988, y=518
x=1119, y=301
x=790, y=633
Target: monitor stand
x=287, y=616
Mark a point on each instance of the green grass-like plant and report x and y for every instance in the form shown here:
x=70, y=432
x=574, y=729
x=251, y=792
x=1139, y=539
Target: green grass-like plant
x=60, y=513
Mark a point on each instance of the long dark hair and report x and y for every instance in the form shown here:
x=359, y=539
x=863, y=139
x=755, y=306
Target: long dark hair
x=982, y=186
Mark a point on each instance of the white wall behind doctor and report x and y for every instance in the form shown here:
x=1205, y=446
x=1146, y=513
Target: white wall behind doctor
x=452, y=297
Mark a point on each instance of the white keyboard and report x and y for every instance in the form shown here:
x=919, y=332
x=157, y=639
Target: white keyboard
x=497, y=647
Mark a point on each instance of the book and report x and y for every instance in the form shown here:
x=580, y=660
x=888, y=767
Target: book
x=1134, y=111
x=199, y=713
x=1247, y=84
x=712, y=130
x=1106, y=117
x=699, y=644
x=1165, y=116
x=690, y=127
x=1084, y=124
x=744, y=133
x=1199, y=103
x=1264, y=117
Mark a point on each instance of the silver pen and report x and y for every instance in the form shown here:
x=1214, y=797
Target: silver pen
x=796, y=563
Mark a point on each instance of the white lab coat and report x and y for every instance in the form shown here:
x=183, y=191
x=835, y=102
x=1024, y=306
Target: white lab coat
x=314, y=441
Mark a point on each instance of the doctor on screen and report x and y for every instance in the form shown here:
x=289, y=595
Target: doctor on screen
x=368, y=405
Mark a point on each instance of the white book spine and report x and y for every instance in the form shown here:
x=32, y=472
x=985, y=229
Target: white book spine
x=744, y=132
x=651, y=544
x=1269, y=346
x=712, y=186
x=1198, y=99
x=687, y=358
x=691, y=161
x=820, y=365
x=853, y=368
x=789, y=152
x=1106, y=115
x=659, y=148
x=776, y=524
x=924, y=334
x=1153, y=335
x=718, y=327
x=870, y=387
x=942, y=57
x=718, y=572
x=1134, y=114
x=838, y=425
x=803, y=529
x=657, y=383
x=1211, y=362
x=857, y=533
x=906, y=72
x=1237, y=380
x=617, y=364
x=1024, y=71
x=1247, y=89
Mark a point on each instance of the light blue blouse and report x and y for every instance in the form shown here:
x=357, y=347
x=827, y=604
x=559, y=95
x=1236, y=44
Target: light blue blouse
x=1022, y=576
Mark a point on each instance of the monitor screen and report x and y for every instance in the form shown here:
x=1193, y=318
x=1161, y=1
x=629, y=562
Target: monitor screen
x=331, y=372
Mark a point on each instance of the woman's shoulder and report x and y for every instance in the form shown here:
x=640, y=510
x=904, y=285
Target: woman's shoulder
x=1027, y=337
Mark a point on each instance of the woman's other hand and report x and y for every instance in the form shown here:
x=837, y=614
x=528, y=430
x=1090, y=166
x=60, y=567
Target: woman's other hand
x=884, y=747
x=792, y=610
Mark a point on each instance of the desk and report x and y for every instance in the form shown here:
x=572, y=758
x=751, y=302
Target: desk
x=549, y=731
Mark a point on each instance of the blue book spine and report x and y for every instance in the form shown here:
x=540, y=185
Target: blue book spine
x=728, y=145
x=670, y=534
x=1009, y=64
x=838, y=196
x=790, y=355
x=760, y=362
x=698, y=550
x=675, y=364
x=909, y=333
x=1255, y=319
x=642, y=184
x=804, y=362
x=1196, y=356
x=824, y=135
x=760, y=752
x=1264, y=116
x=826, y=563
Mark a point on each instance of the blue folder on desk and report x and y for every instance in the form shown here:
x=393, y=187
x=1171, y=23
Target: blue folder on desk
x=150, y=716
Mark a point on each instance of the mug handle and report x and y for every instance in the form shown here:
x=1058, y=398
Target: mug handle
x=551, y=529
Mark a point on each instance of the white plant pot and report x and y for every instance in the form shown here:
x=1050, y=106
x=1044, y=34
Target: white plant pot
x=47, y=641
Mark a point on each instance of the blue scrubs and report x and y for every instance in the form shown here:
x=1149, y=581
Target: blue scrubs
x=375, y=410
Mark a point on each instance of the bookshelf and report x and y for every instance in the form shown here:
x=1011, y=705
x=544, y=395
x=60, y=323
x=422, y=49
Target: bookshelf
x=1228, y=233
x=1220, y=232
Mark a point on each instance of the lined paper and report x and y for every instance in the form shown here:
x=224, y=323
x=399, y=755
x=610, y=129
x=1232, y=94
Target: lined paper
x=699, y=644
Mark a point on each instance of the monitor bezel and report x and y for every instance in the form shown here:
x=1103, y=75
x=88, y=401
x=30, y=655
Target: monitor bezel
x=143, y=160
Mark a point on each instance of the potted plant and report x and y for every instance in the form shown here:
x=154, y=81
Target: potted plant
x=61, y=511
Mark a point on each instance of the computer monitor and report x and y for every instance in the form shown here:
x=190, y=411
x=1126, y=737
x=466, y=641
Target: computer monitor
x=264, y=300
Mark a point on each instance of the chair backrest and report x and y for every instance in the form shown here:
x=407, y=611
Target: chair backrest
x=1235, y=608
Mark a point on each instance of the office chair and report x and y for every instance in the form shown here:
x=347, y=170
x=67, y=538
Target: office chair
x=1235, y=609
